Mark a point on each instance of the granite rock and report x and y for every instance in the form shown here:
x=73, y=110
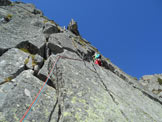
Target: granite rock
x=77, y=90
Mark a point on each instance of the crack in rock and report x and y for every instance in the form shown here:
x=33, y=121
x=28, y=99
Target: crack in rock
x=105, y=87
x=43, y=78
x=54, y=107
x=59, y=113
x=124, y=116
x=149, y=95
x=56, y=77
x=109, y=92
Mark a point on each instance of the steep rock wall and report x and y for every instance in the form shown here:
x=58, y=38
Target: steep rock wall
x=78, y=90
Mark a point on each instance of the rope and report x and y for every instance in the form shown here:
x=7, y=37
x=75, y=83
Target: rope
x=40, y=91
x=64, y=57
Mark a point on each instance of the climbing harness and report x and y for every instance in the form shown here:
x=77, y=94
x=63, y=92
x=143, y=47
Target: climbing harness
x=40, y=91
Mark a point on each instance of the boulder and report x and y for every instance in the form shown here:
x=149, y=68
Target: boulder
x=67, y=41
x=61, y=40
x=50, y=28
x=12, y=63
x=44, y=71
x=34, y=62
x=16, y=97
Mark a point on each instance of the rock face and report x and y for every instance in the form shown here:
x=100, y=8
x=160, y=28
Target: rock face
x=77, y=90
x=153, y=83
x=17, y=96
x=11, y=64
x=49, y=29
x=5, y=2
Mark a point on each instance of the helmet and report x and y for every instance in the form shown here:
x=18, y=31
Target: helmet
x=97, y=56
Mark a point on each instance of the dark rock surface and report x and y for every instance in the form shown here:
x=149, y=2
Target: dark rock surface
x=5, y=2
x=77, y=90
x=73, y=27
x=50, y=28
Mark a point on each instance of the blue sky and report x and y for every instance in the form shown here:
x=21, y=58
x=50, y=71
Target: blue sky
x=128, y=32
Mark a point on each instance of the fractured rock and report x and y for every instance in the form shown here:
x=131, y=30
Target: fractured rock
x=23, y=89
x=61, y=40
x=34, y=62
x=12, y=63
x=44, y=71
x=50, y=28
x=20, y=32
x=151, y=83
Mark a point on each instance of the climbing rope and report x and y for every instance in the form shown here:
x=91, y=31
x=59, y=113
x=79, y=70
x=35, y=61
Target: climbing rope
x=40, y=91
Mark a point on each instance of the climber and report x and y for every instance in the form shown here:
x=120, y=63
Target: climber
x=97, y=57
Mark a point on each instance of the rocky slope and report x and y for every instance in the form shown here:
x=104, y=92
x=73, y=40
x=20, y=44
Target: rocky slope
x=153, y=83
x=78, y=90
